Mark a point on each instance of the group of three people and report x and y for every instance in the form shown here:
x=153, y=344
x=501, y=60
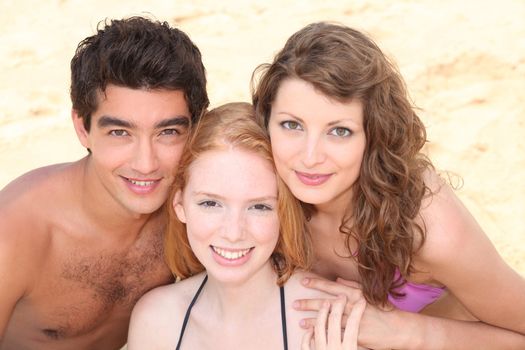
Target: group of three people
x=309, y=220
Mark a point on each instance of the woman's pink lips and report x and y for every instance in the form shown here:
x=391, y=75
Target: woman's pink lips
x=312, y=179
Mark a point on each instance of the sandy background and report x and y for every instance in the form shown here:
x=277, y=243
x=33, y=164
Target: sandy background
x=464, y=64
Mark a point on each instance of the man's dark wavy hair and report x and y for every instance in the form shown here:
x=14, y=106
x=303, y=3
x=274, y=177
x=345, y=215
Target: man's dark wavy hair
x=137, y=53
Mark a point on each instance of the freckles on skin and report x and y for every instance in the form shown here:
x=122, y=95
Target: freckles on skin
x=231, y=222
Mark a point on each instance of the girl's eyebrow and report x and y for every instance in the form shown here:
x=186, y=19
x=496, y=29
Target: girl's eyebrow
x=214, y=195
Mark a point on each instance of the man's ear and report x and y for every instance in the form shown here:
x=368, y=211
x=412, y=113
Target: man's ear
x=177, y=206
x=81, y=131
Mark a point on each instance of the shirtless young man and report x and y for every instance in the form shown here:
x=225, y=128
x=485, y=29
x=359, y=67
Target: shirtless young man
x=81, y=242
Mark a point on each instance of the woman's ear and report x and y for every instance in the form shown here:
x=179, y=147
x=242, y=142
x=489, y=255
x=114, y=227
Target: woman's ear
x=177, y=206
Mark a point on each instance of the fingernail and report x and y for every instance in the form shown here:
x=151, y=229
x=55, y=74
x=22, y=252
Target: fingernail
x=302, y=323
x=306, y=281
x=295, y=304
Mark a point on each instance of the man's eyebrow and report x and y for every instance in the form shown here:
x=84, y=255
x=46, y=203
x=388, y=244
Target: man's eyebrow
x=179, y=120
x=106, y=121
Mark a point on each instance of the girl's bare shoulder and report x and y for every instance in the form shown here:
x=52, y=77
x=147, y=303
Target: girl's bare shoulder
x=159, y=313
x=296, y=289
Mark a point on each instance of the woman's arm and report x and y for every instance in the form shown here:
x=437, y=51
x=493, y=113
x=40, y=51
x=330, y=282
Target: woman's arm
x=459, y=255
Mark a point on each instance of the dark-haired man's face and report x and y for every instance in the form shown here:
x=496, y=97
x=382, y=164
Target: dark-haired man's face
x=136, y=138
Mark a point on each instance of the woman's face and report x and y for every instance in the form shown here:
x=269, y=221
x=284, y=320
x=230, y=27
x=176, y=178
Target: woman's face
x=317, y=143
x=229, y=206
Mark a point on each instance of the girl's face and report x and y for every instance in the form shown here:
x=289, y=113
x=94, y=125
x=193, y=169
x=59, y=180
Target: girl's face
x=318, y=143
x=229, y=206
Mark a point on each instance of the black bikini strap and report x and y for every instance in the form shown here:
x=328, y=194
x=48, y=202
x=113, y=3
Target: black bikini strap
x=283, y=318
x=188, y=312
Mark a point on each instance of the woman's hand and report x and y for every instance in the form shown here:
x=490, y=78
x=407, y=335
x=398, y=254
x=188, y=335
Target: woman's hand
x=350, y=289
x=328, y=337
x=379, y=329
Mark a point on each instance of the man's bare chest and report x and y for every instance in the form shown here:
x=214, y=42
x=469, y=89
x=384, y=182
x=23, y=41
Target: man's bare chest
x=86, y=289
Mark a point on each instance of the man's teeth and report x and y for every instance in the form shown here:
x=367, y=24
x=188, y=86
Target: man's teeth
x=230, y=255
x=142, y=183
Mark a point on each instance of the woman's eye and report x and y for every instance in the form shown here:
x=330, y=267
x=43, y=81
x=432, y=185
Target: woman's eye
x=118, y=132
x=341, y=132
x=291, y=125
x=208, y=204
x=262, y=207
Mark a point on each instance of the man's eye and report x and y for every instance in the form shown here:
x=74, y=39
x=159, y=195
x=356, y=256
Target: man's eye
x=118, y=132
x=291, y=125
x=341, y=132
x=170, y=132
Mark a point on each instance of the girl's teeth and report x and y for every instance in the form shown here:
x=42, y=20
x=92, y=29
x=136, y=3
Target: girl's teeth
x=230, y=255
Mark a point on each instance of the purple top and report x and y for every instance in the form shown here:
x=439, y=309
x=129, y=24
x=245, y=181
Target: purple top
x=417, y=296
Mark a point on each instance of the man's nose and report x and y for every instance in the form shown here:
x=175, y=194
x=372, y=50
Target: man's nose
x=145, y=159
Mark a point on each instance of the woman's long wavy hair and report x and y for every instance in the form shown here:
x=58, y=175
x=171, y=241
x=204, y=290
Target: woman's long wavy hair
x=233, y=125
x=344, y=64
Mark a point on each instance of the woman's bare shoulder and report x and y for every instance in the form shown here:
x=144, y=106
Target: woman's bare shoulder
x=170, y=297
x=297, y=290
x=159, y=313
x=449, y=227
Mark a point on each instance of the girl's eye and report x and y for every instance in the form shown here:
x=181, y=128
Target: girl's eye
x=208, y=204
x=262, y=207
x=118, y=132
x=341, y=132
x=291, y=125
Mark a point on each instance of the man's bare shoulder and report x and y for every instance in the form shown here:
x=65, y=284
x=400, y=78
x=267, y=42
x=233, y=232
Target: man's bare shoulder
x=33, y=184
x=26, y=207
x=41, y=189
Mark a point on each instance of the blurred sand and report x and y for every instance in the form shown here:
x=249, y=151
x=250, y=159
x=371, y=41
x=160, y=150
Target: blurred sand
x=464, y=64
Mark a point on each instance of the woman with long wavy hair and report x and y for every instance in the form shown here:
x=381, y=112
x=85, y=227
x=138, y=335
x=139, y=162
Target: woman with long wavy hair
x=348, y=143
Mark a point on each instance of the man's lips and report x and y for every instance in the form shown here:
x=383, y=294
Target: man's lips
x=312, y=179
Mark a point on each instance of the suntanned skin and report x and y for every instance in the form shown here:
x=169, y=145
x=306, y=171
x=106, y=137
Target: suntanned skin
x=78, y=244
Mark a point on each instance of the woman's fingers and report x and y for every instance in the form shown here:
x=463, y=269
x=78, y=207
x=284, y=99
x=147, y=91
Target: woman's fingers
x=326, y=332
x=320, y=326
x=344, y=288
x=308, y=304
x=307, y=343
x=334, y=322
x=352, y=325
x=348, y=283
